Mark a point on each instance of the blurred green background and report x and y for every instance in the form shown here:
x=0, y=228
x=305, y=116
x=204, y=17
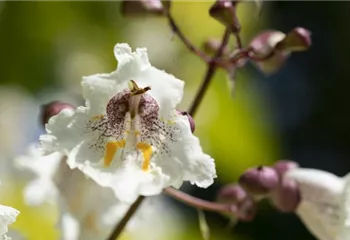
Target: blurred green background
x=299, y=113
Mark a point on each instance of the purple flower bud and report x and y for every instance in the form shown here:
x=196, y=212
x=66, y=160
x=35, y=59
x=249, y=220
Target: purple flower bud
x=244, y=204
x=259, y=181
x=246, y=210
x=190, y=119
x=299, y=39
x=231, y=194
x=224, y=11
x=263, y=46
x=142, y=7
x=51, y=109
x=283, y=166
x=272, y=48
x=286, y=197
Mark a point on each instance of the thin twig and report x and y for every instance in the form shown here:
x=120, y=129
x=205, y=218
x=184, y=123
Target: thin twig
x=176, y=30
x=212, y=65
x=122, y=224
x=199, y=203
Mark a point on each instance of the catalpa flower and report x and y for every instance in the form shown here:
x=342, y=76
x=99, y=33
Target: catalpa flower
x=129, y=137
x=8, y=216
x=325, y=202
x=76, y=196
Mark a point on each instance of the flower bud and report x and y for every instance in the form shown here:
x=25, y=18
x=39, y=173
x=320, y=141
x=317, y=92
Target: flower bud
x=231, y=194
x=298, y=39
x=286, y=197
x=259, y=181
x=246, y=210
x=51, y=109
x=273, y=48
x=190, y=119
x=142, y=7
x=224, y=12
x=264, y=46
x=283, y=166
x=244, y=204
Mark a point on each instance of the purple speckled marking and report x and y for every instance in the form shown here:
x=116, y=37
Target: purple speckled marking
x=152, y=130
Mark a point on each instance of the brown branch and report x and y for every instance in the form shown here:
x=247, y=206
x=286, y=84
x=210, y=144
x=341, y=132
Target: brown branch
x=176, y=30
x=200, y=203
x=122, y=224
x=212, y=65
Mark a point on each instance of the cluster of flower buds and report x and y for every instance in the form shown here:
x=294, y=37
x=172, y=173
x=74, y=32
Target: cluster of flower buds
x=271, y=49
x=268, y=50
x=259, y=183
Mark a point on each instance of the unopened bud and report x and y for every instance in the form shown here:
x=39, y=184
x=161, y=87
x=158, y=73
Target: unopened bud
x=286, y=197
x=142, y=7
x=246, y=210
x=224, y=11
x=231, y=194
x=190, y=119
x=266, y=42
x=272, y=48
x=52, y=109
x=299, y=39
x=264, y=48
x=244, y=204
x=283, y=166
x=259, y=181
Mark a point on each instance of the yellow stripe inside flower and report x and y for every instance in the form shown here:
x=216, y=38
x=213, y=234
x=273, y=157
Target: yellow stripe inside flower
x=146, y=150
x=110, y=150
x=98, y=117
x=90, y=222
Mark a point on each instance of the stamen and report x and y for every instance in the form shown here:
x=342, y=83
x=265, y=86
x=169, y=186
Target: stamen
x=135, y=89
x=110, y=150
x=146, y=150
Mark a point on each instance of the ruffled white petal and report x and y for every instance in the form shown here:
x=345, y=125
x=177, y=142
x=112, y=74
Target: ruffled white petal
x=196, y=166
x=344, y=227
x=98, y=91
x=128, y=181
x=69, y=226
x=40, y=188
x=321, y=194
x=8, y=216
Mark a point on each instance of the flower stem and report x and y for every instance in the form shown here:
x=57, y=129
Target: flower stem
x=176, y=30
x=211, y=69
x=199, y=203
x=122, y=224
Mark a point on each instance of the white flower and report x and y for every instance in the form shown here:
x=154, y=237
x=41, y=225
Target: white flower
x=87, y=210
x=83, y=205
x=43, y=169
x=325, y=203
x=128, y=136
x=8, y=216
